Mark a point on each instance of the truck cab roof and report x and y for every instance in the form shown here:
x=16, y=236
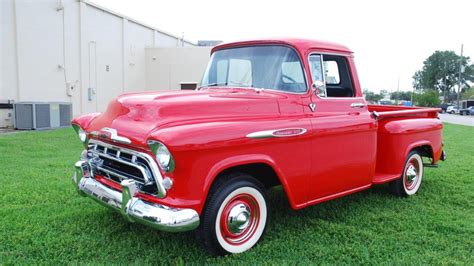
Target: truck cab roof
x=300, y=44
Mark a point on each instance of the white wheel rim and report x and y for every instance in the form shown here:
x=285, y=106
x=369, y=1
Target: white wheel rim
x=412, y=174
x=244, y=234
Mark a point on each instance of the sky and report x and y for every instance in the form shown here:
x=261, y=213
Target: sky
x=390, y=38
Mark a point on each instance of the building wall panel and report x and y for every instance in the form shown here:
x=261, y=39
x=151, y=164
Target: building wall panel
x=72, y=51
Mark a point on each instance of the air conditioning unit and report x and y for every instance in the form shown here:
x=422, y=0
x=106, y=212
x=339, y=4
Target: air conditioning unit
x=42, y=115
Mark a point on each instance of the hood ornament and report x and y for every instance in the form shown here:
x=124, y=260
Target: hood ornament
x=111, y=133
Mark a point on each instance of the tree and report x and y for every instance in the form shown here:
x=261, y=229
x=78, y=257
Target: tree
x=384, y=93
x=417, y=84
x=371, y=96
x=440, y=72
x=427, y=98
x=401, y=96
x=468, y=94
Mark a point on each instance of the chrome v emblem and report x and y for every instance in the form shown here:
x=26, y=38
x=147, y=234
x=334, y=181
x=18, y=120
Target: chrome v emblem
x=113, y=135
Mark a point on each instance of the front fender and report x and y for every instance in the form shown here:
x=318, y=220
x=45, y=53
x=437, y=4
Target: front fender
x=85, y=120
x=241, y=160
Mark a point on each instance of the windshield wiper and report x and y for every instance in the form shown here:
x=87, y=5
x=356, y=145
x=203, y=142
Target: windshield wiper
x=215, y=84
x=241, y=84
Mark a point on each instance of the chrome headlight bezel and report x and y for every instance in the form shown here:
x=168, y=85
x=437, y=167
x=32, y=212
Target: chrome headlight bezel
x=81, y=133
x=163, y=156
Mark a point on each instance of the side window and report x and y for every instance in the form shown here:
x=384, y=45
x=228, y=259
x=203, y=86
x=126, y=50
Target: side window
x=316, y=68
x=333, y=70
x=240, y=72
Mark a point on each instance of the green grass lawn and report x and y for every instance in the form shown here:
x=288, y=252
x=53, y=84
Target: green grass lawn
x=44, y=220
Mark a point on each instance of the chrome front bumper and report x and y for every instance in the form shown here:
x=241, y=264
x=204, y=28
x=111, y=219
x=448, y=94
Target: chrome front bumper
x=134, y=209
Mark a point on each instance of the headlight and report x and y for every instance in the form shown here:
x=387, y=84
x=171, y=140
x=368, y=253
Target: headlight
x=163, y=156
x=81, y=133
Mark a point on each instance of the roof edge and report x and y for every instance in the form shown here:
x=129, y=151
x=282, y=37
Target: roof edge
x=294, y=42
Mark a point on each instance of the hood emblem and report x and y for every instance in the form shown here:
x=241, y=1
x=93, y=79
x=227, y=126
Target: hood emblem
x=111, y=133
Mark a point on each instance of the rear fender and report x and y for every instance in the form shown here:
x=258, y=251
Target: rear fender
x=417, y=145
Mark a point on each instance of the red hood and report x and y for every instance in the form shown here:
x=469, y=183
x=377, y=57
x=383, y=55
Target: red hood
x=137, y=115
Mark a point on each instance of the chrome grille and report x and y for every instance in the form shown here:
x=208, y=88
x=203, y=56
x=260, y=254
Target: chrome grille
x=118, y=164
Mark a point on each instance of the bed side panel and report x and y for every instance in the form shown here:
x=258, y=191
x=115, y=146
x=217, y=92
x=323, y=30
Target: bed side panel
x=397, y=137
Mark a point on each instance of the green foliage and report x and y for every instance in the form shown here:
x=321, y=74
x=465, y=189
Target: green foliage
x=468, y=94
x=440, y=72
x=371, y=96
x=384, y=93
x=401, y=95
x=44, y=221
x=427, y=98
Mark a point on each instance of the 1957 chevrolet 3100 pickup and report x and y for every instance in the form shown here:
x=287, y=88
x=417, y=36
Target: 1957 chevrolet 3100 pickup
x=286, y=112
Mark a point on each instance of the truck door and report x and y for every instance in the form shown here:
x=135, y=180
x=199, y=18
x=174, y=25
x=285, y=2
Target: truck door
x=343, y=132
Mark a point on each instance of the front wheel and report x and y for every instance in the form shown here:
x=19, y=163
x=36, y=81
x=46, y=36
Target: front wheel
x=234, y=217
x=410, y=181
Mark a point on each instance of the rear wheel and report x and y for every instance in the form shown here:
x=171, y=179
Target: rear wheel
x=410, y=181
x=234, y=217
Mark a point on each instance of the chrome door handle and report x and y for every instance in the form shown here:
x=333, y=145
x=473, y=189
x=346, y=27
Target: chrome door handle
x=358, y=105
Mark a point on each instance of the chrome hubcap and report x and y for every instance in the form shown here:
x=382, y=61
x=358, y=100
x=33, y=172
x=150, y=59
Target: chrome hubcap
x=411, y=173
x=239, y=218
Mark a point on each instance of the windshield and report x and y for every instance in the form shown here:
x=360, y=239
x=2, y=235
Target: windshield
x=267, y=67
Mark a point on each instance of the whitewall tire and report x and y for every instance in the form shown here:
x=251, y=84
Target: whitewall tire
x=235, y=215
x=410, y=181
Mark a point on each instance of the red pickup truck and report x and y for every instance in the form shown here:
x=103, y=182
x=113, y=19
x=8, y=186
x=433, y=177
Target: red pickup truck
x=286, y=112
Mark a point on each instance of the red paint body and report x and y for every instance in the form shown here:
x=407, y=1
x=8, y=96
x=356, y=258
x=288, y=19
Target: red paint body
x=344, y=149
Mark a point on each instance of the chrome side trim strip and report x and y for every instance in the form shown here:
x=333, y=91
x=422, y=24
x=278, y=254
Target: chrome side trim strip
x=261, y=134
x=277, y=133
x=358, y=105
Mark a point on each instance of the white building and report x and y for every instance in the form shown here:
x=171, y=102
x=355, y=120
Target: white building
x=76, y=52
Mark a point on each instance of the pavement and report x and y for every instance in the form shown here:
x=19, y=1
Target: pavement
x=467, y=120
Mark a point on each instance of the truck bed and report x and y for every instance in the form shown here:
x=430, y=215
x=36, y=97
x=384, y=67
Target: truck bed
x=392, y=111
x=400, y=130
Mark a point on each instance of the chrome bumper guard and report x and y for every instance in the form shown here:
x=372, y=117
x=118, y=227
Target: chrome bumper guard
x=158, y=216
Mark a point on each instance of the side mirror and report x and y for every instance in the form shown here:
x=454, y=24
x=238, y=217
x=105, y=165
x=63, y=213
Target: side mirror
x=320, y=88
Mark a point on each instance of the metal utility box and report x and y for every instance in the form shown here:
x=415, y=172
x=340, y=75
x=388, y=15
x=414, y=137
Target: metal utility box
x=42, y=115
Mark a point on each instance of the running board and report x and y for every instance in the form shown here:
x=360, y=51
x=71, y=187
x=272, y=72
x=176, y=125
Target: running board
x=430, y=165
